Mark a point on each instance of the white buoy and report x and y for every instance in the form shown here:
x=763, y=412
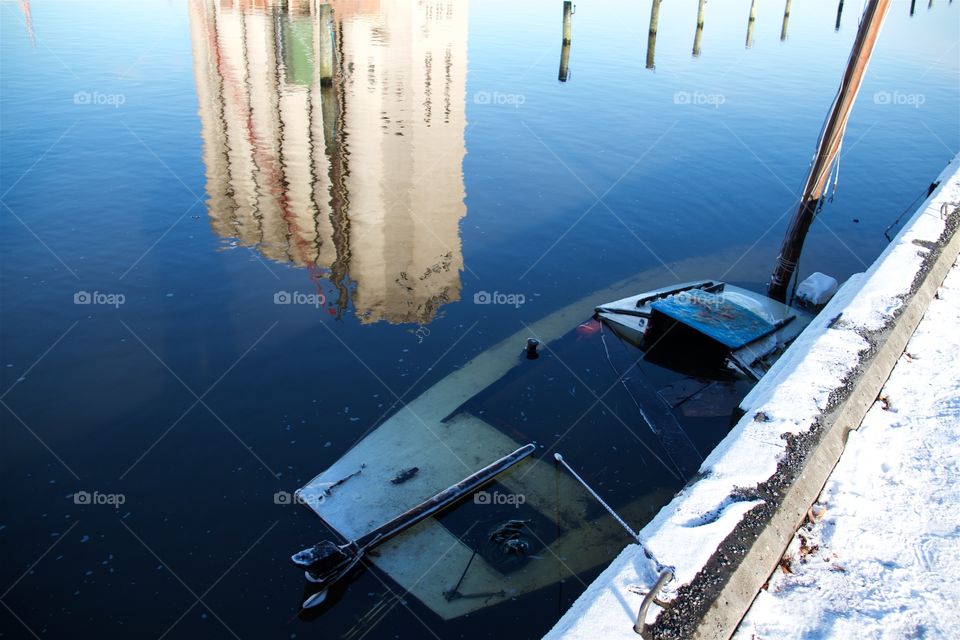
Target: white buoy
x=817, y=289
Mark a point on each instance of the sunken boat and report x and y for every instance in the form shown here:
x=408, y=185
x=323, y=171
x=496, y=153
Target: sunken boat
x=655, y=377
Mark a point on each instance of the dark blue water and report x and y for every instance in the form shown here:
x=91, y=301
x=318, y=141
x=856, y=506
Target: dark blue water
x=168, y=174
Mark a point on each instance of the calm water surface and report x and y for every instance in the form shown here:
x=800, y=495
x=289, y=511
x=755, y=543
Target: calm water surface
x=219, y=272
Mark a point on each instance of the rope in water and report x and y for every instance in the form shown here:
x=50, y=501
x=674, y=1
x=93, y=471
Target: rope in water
x=613, y=514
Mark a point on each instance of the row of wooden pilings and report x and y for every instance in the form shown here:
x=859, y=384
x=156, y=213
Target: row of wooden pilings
x=569, y=8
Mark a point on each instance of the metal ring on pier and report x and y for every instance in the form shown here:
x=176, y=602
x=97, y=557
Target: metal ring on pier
x=641, y=623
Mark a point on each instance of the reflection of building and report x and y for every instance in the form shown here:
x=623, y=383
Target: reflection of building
x=360, y=181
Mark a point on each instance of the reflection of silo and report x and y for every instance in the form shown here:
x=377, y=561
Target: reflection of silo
x=363, y=177
x=256, y=130
x=405, y=80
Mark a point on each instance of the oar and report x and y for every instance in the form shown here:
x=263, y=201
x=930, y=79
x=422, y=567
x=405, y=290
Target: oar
x=327, y=562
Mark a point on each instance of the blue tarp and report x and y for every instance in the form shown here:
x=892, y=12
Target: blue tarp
x=715, y=317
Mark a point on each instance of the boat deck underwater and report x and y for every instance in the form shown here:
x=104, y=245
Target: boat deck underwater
x=535, y=527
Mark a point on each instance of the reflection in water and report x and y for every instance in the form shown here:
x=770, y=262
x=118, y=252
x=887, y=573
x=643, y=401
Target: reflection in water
x=565, y=48
x=338, y=146
x=786, y=19
x=652, y=34
x=699, y=34
x=28, y=21
x=751, y=21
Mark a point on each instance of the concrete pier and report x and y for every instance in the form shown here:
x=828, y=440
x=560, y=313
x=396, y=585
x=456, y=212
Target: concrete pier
x=726, y=531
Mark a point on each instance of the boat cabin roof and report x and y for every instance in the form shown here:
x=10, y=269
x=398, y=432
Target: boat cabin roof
x=716, y=317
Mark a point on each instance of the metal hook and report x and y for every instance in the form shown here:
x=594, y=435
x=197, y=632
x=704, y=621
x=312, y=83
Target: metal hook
x=641, y=624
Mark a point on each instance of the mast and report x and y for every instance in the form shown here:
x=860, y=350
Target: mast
x=828, y=147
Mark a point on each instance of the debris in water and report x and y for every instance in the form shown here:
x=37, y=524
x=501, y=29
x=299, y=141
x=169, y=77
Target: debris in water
x=405, y=475
x=344, y=479
x=509, y=544
x=589, y=328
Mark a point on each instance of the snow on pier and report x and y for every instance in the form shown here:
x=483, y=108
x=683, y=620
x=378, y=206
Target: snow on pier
x=726, y=532
x=879, y=554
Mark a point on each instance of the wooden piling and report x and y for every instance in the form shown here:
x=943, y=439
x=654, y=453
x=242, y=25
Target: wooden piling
x=786, y=19
x=751, y=22
x=652, y=36
x=325, y=55
x=564, y=62
x=565, y=48
x=699, y=34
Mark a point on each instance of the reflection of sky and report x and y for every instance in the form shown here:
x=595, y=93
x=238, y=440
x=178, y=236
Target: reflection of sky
x=108, y=193
x=752, y=151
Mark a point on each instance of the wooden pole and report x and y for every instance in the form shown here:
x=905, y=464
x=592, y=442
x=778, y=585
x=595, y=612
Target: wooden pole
x=839, y=13
x=652, y=36
x=565, y=48
x=564, y=63
x=913, y=6
x=786, y=19
x=828, y=147
x=325, y=53
x=699, y=34
x=750, y=22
